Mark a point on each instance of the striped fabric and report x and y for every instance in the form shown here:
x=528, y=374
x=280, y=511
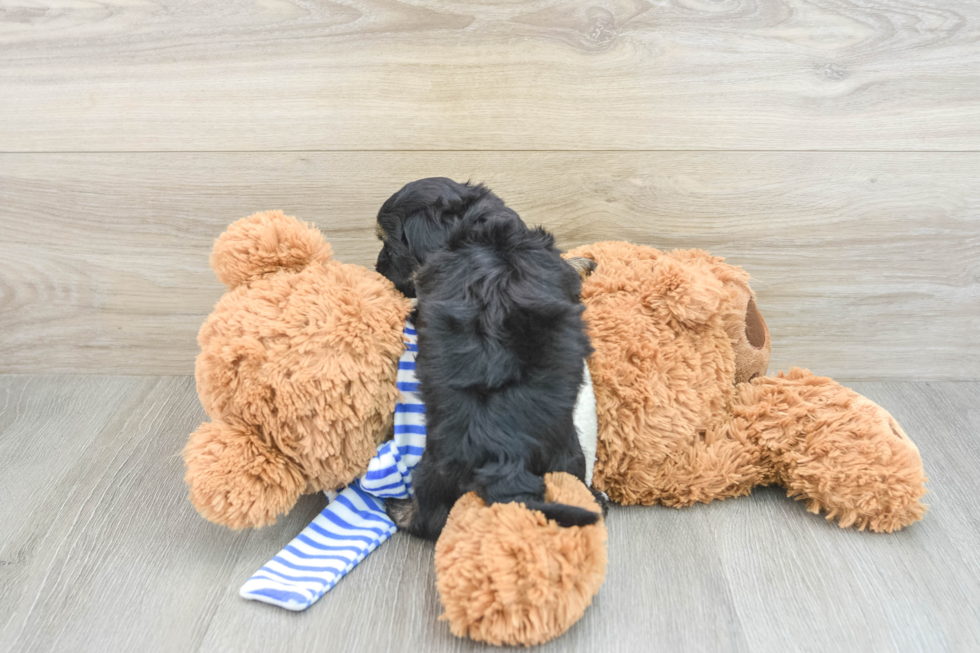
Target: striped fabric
x=354, y=523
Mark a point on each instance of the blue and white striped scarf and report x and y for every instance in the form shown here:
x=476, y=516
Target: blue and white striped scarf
x=354, y=523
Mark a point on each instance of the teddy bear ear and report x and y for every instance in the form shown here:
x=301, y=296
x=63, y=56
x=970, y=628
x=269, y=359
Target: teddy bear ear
x=265, y=243
x=750, y=337
x=686, y=289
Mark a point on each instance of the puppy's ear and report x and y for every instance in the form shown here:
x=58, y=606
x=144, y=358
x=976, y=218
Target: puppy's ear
x=388, y=227
x=584, y=266
x=427, y=232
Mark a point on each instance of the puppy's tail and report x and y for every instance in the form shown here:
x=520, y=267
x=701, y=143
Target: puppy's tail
x=505, y=483
x=564, y=514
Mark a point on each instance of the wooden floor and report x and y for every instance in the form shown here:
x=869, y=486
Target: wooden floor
x=101, y=551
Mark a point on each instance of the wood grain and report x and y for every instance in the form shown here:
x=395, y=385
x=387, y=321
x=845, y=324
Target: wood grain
x=182, y=75
x=867, y=265
x=46, y=425
x=101, y=551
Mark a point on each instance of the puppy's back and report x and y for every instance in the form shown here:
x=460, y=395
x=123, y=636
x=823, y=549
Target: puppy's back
x=501, y=298
x=501, y=351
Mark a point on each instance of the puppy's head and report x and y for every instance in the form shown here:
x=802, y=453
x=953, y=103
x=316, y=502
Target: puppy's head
x=417, y=220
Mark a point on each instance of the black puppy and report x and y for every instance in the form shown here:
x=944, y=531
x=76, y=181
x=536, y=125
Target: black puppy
x=501, y=353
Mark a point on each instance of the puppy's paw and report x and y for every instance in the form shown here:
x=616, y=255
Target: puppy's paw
x=401, y=511
x=603, y=500
x=584, y=266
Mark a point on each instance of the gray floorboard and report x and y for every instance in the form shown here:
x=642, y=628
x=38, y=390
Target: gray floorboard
x=101, y=551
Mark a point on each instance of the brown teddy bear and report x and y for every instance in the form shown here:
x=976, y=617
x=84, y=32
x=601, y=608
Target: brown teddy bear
x=298, y=371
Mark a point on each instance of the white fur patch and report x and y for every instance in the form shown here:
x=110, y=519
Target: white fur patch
x=586, y=423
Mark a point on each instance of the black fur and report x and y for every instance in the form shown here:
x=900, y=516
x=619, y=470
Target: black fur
x=501, y=352
x=417, y=220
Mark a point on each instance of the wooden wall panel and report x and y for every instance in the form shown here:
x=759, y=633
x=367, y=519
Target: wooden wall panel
x=867, y=265
x=187, y=75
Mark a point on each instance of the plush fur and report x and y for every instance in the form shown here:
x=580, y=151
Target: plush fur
x=508, y=576
x=686, y=415
x=501, y=348
x=296, y=371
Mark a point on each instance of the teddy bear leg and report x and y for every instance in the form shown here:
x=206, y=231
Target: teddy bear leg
x=718, y=464
x=508, y=576
x=840, y=452
x=237, y=480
